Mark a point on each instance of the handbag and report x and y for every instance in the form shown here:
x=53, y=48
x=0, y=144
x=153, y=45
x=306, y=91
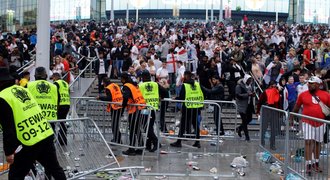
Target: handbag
x=325, y=108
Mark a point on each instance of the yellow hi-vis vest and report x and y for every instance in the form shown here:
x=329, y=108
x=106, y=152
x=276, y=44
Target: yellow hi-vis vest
x=150, y=93
x=193, y=93
x=64, y=92
x=31, y=126
x=45, y=93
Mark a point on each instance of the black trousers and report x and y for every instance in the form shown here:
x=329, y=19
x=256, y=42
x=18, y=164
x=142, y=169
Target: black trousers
x=152, y=138
x=188, y=118
x=44, y=152
x=216, y=115
x=274, y=122
x=115, y=122
x=246, y=119
x=163, y=107
x=135, y=121
x=61, y=114
x=100, y=78
x=231, y=88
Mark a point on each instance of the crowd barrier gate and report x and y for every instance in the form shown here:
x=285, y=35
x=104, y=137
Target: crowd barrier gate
x=119, y=127
x=79, y=155
x=289, y=147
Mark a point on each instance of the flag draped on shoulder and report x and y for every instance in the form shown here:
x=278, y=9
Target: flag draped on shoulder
x=268, y=71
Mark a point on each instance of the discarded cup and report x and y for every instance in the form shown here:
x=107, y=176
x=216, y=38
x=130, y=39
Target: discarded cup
x=196, y=168
x=147, y=169
x=213, y=170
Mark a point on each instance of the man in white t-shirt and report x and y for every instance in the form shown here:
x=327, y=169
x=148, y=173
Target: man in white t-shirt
x=157, y=63
x=135, y=51
x=181, y=52
x=162, y=72
x=179, y=77
x=302, y=87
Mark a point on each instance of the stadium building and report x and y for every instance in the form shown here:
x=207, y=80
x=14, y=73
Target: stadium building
x=18, y=14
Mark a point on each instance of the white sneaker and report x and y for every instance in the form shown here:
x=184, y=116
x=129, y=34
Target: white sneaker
x=300, y=133
x=293, y=128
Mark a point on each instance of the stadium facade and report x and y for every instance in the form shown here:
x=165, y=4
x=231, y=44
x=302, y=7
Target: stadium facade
x=302, y=11
x=18, y=14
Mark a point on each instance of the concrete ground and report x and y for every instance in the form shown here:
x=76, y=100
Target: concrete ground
x=173, y=164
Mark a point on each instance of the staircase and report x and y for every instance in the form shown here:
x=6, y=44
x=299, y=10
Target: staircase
x=228, y=112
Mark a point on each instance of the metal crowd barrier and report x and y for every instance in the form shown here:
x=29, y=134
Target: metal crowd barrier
x=294, y=151
x=78, y=154
x=120, y=128
x=4, y=166
x=193, y=124
x=78, y=107
x=311, y=146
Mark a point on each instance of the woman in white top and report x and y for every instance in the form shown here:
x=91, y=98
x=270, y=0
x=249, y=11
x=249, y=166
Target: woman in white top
x=58, y=67
x=152, y=69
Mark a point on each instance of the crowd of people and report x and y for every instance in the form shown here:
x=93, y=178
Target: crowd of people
x=277, y=59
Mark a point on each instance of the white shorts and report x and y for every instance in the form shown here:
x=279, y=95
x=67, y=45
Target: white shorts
x=313, y=133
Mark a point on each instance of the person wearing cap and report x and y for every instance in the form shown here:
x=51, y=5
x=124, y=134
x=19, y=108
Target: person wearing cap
x=45, y=94
x=244, y=99
x=190, y=91
x=133, y=95
x=216, y=93
x=313, y=131
x=113, y=94
x=25, y=142
x=152, y=93
x=63, y=92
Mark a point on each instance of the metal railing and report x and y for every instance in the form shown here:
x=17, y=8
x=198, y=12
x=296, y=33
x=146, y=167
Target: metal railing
x=120, y=127
x=256, y=85
x=81, y=72
x=306, y=155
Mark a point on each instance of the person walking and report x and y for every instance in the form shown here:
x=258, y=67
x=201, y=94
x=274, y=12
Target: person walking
x=244, y=100
x=25, y=142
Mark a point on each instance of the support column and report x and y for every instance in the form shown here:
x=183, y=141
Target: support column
x=127, y=13
x=212, y=13
x=112, y=14
x=137, y=15
x=206, y=13
x=43, y=34
x=221, y=11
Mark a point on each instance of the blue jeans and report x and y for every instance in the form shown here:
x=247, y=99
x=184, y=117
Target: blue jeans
x=119, y=64
x=177, y=93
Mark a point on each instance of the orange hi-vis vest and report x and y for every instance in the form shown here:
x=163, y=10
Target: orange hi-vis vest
x=117, y=96
x=137, y=98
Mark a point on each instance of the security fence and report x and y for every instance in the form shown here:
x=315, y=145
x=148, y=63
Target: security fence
x=119, y=127
x=302, y=150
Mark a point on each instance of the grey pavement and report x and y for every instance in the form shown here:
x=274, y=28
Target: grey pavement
x=173, y=164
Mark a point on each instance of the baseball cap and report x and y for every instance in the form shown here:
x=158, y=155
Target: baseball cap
x=315, y=79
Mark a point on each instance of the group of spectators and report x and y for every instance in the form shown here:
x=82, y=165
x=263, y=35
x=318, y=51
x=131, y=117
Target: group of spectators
x=248, y=58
